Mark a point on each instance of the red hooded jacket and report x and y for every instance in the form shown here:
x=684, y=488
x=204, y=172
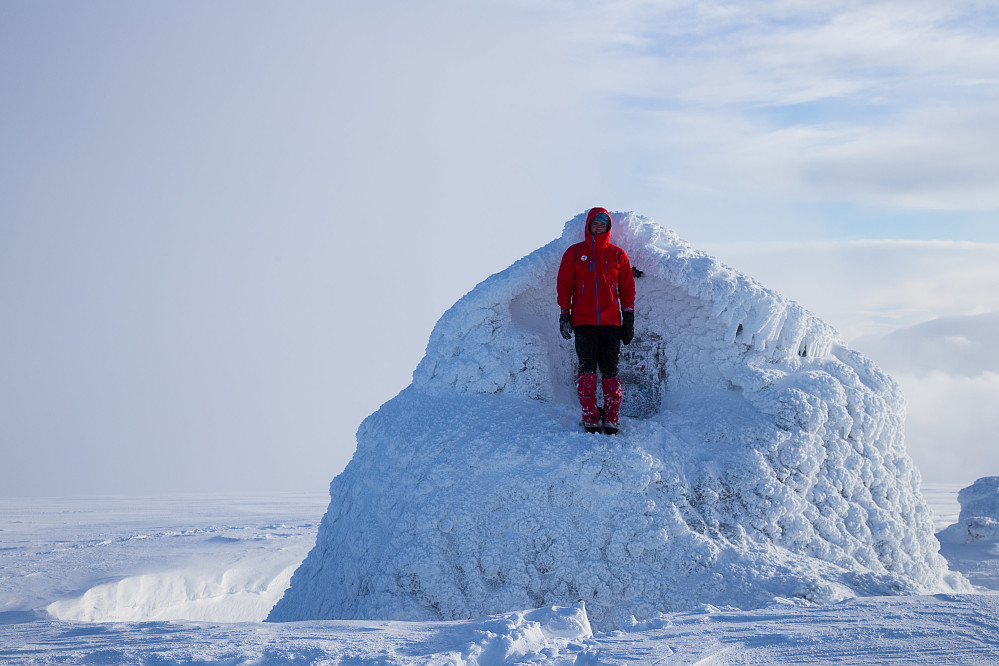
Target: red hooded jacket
x=595, y=282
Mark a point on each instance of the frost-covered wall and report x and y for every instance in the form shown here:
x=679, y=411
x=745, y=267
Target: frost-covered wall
x=771, y=465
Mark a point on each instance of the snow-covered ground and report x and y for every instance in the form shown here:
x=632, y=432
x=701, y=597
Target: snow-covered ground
x=111, y=559
x=182, y=580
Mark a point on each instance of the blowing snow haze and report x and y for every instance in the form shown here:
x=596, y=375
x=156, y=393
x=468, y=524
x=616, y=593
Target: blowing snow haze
x=761, y=459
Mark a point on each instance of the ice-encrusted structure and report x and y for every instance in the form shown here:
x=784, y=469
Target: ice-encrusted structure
x=762, y=459
x=979, y=518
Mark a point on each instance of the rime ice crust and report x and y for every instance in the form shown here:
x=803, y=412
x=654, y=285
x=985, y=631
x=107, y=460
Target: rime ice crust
x=979, y=519
x=774, y=467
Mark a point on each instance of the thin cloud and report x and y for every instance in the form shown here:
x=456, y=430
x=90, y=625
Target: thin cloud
x=958, y=345
x=890, y=103
x=951, y=425
x=872, y=287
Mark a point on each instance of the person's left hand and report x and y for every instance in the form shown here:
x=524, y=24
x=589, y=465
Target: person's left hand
x=627, y=326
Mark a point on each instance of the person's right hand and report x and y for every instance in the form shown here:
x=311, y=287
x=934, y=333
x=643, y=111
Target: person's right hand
x=565, y=325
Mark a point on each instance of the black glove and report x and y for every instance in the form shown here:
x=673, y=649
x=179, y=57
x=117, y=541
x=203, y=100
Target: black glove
x=565, y=325
x=627, y=326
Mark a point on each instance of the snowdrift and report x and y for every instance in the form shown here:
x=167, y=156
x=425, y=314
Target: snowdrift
x=239, y=594
x=759, y=458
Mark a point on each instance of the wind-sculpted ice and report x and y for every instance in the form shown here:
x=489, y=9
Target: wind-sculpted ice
x=979, y=519
x=763, y=459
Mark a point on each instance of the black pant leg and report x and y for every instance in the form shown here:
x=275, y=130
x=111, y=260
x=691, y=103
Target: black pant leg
x=587, y=348
x=609, y=350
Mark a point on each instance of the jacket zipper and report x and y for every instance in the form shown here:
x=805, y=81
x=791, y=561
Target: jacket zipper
x=593, y=268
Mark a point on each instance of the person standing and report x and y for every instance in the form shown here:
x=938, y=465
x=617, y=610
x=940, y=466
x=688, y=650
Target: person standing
x=596, y=294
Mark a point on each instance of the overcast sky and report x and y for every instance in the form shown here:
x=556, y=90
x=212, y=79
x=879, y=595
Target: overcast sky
x=227, y=228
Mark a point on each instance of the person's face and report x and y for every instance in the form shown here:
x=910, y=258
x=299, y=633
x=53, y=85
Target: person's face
x=598, y=226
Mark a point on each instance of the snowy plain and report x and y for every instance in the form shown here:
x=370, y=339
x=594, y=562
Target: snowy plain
x=189, y=580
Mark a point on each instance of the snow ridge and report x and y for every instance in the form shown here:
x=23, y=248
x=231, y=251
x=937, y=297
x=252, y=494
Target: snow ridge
x=239, y=594
x=766, y=463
